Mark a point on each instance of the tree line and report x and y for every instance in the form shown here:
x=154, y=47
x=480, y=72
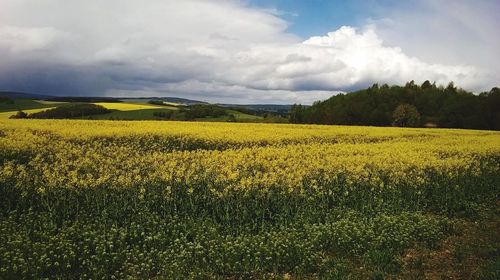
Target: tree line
x=70, y=111
x=192, y=112
x=410, y=105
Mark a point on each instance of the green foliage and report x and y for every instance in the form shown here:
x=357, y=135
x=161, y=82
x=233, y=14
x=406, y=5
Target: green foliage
x=231, y=118
x=382, y=261
x=492, y=270
x=406, y=115
x=426, y=85
x=148, y=244
x=243, y=110
x=19, y=115
x=77, y=110
x=164, y=114
x=449, y=107
x=297, y=113
x=273, y=118
x=202, y=111
x=156, y=102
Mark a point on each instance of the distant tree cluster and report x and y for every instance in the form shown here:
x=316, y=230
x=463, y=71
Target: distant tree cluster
x=19, y=115
x=270, y=115
x=191, y=112
x=202, y=111
x=70, y=111
x=410, y=105
x=164, y=114
x=156, y=102
x=245, y=110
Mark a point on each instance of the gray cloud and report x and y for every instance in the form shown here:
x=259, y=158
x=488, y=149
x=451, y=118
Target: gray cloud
x=459, y=32
x=221, y=51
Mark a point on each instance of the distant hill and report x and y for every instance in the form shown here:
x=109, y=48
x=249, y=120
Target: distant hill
x=15, y=94
x=26, y=95
x=261, y=107
x=248, y=112
x=82, y=99
x=410, y=105
x=178, y=100
x=10, y=104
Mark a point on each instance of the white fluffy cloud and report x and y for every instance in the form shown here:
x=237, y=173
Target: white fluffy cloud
x=447, y=32
x=216, y=50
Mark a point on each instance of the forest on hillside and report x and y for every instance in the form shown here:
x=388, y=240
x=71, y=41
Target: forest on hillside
x=410, y=105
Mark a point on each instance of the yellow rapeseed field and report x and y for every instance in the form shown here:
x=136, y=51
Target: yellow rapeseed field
x=127, y=106
x=292, y=158
x=161, y=199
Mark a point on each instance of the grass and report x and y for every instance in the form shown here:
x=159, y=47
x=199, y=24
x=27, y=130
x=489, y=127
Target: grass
x=473, y=252
x=25, y=104
x=242, y=116
x=239, y=116
x=143, y=114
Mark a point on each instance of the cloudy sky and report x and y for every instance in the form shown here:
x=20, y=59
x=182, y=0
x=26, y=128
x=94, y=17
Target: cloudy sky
x=245, y=51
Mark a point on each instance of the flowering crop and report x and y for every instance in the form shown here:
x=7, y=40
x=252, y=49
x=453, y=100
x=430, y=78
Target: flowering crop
x=145, y=199
x=126, y=106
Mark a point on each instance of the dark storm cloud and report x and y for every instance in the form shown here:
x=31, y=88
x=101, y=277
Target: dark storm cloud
x=212, y=50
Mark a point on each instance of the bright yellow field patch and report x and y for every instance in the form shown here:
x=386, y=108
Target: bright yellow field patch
x=227, y=157
x=128, y=106
x=6, y=115
x=173, y=103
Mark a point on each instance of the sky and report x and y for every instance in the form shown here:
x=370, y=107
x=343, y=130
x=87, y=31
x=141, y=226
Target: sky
x=245, y=51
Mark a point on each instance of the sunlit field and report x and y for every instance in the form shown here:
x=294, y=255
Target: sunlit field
x=130, y=106
x=146, y=199
x=7, y=115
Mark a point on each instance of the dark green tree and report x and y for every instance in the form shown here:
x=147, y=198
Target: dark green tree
x=438, y=106
x=451, y=87
x=297, y=113
x=19, y=115
x=491, y=109
x=70, y=111
x=410, y=84
x=426, y=85
x=406, y=115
